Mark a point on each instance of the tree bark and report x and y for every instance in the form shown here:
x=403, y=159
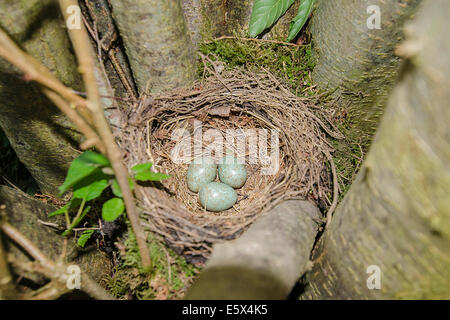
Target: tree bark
x=266, y=261
x=157, y=43
x=41, y=136
x=397, y=214
x=358, y=62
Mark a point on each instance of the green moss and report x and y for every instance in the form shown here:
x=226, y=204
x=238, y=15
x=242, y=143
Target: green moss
x=168, y=279
x=292, y=63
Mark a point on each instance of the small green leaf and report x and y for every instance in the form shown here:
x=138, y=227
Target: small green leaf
x=300, y=19
x=151, y=176
x=85, y=236
x=91, y=191
x=116, y=189
x=73, y=203
x=61, y=210
x=142, y=173
x=141, y=167
x=96, y=158
x=112, y=209
x=265, y=13
x=82, y=167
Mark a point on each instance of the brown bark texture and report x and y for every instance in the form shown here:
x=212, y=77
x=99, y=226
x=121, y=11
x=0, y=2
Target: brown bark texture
x=396, y=216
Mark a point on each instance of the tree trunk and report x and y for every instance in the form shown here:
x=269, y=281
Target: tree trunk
x=157, y=43
x=266, y=261
x=358, y=62
x=41, y=136
x=396, y=216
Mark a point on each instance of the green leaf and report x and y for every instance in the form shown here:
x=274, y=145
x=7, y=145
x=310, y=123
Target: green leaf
x=141, y=167
x=142, y=173
x=116, y=189
x=85, y=236
x=151, y=176
x=112, y=209
x=300, y=19
x=265, y=13
x=82, y=167
x=59, y=211
x=73, y=203
x=96, y=158
x=91, y=191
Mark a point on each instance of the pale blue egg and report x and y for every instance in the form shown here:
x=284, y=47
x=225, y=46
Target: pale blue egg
x=200, y=172
x=232, y=172
x=216, y=196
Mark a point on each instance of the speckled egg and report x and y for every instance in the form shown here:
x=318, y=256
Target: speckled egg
x=231, y=172
x=216, y=196
x=200, y=172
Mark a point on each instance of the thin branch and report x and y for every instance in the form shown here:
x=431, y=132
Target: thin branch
x=335, y=189
x=91, y=136
x=55, y=272
x=7, y=290
x=36, y=71
x=83, y=51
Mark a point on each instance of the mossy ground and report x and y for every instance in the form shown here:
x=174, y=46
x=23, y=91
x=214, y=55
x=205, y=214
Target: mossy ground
x=169, y=278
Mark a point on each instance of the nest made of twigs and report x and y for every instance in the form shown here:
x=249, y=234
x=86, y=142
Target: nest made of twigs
x=243, y=101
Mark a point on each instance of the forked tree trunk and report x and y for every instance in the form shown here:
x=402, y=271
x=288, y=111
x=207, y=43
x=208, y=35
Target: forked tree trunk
x=396, y=216
x=43, y=139
x=357, y=61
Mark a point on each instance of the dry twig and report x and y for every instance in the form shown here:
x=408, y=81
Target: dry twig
x=54, y=271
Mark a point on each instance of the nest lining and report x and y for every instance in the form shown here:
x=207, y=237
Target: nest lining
x=243, y=101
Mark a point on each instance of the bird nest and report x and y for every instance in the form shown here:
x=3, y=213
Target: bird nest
x=281, y=137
